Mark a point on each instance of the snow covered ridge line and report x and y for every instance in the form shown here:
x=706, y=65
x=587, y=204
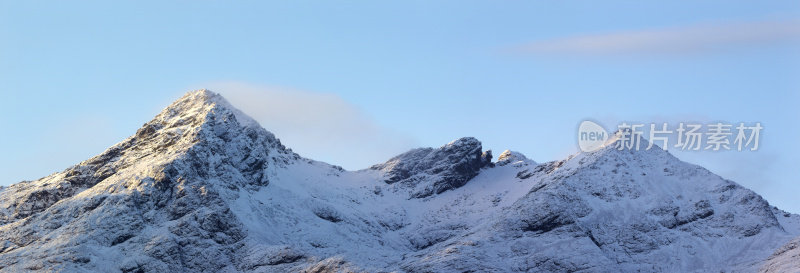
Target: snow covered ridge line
x=203, y=188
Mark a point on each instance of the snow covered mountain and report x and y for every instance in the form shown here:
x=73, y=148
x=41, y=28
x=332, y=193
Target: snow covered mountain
x=203, y=188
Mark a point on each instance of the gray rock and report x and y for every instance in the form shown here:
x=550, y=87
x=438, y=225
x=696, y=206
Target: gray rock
x=428, y=171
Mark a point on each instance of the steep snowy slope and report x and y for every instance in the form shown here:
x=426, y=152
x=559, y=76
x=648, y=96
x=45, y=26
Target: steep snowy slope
x=202, y=187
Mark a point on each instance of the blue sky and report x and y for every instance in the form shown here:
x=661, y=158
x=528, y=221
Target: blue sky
x=355, y=82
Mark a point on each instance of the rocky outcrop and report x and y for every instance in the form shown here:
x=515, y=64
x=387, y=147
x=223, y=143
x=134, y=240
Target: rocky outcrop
x=428, y=171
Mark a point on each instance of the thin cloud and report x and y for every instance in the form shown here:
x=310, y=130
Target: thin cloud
x=677, y=40
x=319, y=126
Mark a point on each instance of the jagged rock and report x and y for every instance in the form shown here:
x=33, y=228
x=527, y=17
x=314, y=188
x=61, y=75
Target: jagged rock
x=430, y=171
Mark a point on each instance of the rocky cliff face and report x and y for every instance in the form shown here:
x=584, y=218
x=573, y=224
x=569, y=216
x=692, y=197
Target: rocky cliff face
x=428, y=171
x=203, y=188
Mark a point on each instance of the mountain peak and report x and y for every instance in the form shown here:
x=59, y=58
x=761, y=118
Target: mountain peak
x=199, y=141
x=203, y=119
x=199, y=116
x=511, y=157
x=199, y=104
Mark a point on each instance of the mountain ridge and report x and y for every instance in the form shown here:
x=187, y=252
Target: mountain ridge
x=203, y=187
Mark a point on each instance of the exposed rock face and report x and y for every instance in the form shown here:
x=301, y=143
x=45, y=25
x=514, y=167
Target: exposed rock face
x=430, y=171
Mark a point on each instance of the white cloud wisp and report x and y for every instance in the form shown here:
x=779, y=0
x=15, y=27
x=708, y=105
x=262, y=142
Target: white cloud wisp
x=699, y=38
x=319, y=126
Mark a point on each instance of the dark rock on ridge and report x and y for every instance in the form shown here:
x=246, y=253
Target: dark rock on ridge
x=431, y=171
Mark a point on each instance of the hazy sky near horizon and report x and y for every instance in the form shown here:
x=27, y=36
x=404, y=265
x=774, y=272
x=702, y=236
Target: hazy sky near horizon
x=355, y=82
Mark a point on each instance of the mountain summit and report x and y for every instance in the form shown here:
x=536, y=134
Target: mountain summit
x=203, y=188
x=165, y=176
